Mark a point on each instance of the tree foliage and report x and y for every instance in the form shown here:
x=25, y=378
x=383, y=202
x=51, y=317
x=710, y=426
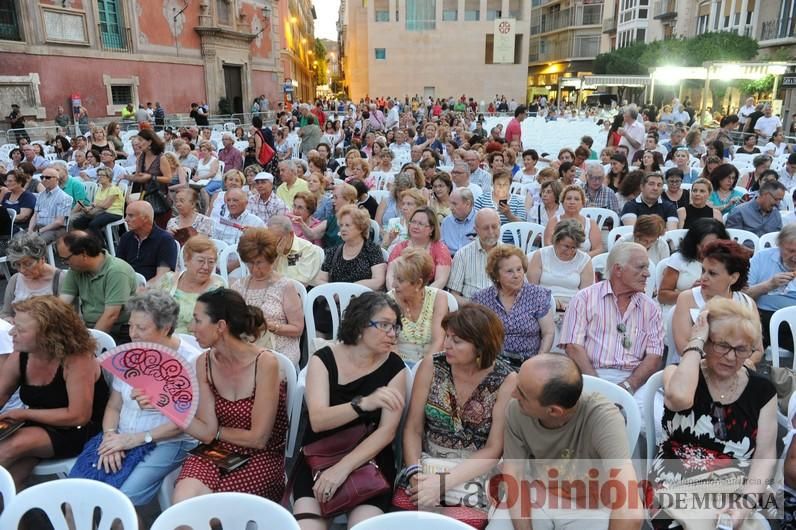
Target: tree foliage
x=319, y=64
x=760, y=86
x=637, y=59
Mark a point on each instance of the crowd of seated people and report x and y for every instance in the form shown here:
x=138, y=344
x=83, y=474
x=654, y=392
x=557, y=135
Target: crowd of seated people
x=413, y=214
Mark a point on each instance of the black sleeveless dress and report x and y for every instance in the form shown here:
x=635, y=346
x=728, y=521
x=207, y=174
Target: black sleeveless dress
x=67, y=442
x=692, y=214
x=339, y=394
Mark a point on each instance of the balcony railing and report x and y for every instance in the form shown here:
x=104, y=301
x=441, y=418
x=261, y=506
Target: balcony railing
x=609, y=25
x=778, y=29
x=554, y=21
x=115, y=42
x=664, y=9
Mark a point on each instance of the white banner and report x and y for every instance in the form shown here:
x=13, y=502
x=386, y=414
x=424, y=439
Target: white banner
x=503, y=48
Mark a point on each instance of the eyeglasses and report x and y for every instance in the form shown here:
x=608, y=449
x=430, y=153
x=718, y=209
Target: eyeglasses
x=419, y=224
x=722, y=348
x=626, y=341
x=24, y=265
x=65, y=259
x=386, y=327
x=48, y=177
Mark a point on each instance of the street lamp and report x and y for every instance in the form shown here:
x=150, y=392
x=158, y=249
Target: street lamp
x=266, y=20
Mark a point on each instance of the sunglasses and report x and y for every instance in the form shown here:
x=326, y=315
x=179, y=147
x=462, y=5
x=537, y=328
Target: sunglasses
x=626, y=341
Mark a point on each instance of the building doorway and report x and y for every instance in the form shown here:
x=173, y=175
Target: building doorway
x=234, y=88
x=428, y=92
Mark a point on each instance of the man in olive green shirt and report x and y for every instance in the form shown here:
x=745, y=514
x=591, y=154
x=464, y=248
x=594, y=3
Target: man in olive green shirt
x=551, y=424
x=101, y=283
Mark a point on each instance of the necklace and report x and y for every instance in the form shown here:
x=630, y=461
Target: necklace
x=730, y=391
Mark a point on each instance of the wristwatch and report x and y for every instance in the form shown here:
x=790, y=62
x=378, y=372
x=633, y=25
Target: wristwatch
x=355, y=405
x=626, y=386
x=148, y=437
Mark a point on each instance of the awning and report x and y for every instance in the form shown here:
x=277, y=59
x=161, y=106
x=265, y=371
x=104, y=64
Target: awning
x=617, y=80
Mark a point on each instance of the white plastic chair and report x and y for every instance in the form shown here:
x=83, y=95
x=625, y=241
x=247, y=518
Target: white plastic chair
x=653, y=384
x=140, y=280
x=376, y=229
x=190, y=339
x=453, y=304
x=82, y=495
x=13, y=215
x=223, y=264
x=600, y=216
x=617, y=233
x=104, y=341
x=415, y=520
x=742, y=236
x=91, y=190
x=660, y=267
x=233, y=510
x=379, y=195
x=675, y=237
x=337, y=295
x=769, y=240
x=109, y=236
x=786, y=315
x=7, y=488
x=598, y=264
x=297, y=402
x=623, y=399
x=523, y=234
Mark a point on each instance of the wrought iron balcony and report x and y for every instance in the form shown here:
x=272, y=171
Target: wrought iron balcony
x=664, y=9
x=784, y=28
x=115, y=41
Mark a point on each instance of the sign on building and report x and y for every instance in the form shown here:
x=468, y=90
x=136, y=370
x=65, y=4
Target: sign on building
x=503, y=49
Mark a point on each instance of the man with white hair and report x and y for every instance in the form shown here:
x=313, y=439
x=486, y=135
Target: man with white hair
x=632, y=132
x=767, y=124
x=460, y=175
x=747, y=110
x=613, y=330
x=458, y=228
x=150, y=250
x=297, y=258
x=233, y=218
x=598, y=195
x=392, y=115
x=291, y=183
x=376, y=121
x=468, y=272
x=229, y=154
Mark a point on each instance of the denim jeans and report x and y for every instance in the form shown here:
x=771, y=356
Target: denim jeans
x=144, y=482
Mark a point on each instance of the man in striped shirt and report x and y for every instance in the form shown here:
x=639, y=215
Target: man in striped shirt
x=613, y=330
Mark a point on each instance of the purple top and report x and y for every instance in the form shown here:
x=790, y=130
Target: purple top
x=521, y=323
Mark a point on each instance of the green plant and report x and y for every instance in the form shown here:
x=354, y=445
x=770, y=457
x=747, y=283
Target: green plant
x=224, y=106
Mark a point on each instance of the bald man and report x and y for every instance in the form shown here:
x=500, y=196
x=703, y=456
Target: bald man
x=552, y=424
x=150, y=250
x=468, y=272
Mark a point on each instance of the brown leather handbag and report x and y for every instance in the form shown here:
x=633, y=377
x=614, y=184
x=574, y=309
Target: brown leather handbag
x=365, y=482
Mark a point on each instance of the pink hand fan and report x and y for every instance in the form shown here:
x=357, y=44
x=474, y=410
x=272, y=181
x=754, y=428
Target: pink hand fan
x=168, y=380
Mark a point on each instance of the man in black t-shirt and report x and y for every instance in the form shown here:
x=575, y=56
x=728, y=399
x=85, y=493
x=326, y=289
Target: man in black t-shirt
x=649, y=202
x=199, y=115
x=17, y=122
x=751, y=121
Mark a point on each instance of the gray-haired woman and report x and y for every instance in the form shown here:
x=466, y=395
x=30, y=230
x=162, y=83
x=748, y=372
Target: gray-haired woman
x=139, y=446
x=562, y=267
x=36, y=277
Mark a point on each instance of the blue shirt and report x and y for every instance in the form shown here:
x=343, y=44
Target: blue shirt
x=763, y=266
x=158, y=250
x=751, y=217
x=457, y=233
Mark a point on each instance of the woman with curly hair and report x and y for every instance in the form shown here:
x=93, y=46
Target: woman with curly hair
x=59, y=381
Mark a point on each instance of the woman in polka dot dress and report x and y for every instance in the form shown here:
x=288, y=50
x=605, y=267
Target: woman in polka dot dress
x=243, y=404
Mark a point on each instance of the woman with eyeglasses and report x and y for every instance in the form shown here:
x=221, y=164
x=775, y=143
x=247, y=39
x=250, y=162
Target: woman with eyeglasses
x=356, y=381
x=27, y=254
x=718, y=414
x=108, y=206
x=422, y=307
x=273, y=293
x=674, y=192
x=424, y=233
x=186, y=286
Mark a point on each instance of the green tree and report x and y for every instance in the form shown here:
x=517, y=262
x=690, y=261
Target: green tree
x=759, y=87
x=320, y=65
x=638, y=58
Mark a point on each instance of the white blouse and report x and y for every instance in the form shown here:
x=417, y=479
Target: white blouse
x=561, y=277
